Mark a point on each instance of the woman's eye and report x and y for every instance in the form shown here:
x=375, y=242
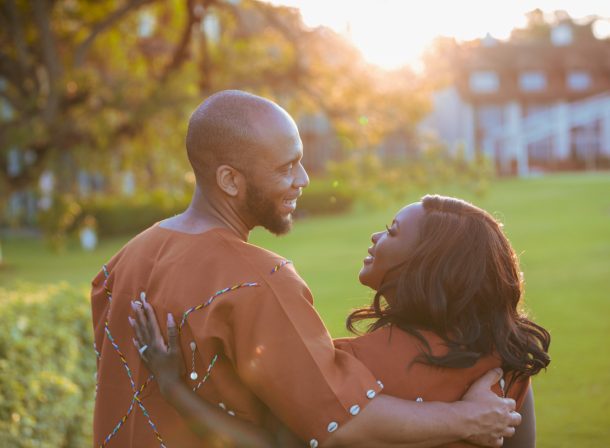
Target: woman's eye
x=389, y=230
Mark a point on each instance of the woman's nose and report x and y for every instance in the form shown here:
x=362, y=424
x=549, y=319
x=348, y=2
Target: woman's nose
x=375, y=237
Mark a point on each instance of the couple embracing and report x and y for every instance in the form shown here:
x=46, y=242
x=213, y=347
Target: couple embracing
x=447, y=359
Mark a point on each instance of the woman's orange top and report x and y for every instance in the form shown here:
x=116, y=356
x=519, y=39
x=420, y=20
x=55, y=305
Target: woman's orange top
x=388, y=352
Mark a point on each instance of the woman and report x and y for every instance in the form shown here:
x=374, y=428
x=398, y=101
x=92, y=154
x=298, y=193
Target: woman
x=446, y=310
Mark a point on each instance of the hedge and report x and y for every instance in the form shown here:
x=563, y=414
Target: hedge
x=47, y=367
x=128, y=216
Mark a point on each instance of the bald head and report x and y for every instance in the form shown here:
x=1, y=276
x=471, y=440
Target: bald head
x=229, y=128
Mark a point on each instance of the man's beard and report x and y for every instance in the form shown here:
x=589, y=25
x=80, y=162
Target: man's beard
x=264, y=212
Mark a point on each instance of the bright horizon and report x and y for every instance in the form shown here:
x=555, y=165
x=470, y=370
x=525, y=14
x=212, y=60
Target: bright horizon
x=391, y=35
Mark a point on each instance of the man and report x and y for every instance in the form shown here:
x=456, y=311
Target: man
x=248, y=326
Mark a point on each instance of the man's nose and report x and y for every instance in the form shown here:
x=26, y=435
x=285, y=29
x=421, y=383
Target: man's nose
x=301, y=180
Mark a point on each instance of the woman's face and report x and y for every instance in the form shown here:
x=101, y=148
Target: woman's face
x=391, y=246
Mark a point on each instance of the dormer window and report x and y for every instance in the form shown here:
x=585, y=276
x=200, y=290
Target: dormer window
x=578, y=80
x=532, y=81
x=561, y=35
x=484, y=82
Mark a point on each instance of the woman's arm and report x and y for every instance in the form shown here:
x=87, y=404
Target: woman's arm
x=167, y=365
x=525, y=434
x=481, y=417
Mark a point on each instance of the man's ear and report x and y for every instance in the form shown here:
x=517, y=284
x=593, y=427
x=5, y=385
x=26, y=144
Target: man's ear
x=230, y=180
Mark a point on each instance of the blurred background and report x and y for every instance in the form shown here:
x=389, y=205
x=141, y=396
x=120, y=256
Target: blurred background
x=505, y=104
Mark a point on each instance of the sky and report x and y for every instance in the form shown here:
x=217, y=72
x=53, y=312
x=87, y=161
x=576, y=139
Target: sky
x=393, y=33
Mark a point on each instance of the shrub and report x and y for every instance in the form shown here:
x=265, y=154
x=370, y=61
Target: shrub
x=58, y=220
x=377, y=183
x=47, y=368
x=323, y=197
x=130, y=215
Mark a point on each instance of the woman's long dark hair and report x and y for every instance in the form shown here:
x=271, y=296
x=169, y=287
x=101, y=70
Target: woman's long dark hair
x=462, y=281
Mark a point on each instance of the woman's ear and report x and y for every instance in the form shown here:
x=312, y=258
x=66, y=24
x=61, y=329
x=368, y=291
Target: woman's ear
x=230, y=180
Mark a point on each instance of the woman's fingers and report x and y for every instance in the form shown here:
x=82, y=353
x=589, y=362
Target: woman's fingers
x=172, y=335
x=152, y=324
x=142, y=326
x=137, y=328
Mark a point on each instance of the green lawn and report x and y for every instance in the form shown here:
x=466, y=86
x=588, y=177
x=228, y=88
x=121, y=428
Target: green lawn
x=559, y=224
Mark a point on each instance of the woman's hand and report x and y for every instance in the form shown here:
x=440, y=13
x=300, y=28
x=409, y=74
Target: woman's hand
x=166, y=363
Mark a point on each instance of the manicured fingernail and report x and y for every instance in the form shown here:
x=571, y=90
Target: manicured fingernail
x=143, y=296
x=170, y=319
x=131, y=321
x=134, y=342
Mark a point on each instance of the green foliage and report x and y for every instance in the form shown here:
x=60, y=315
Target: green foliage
x=58, y=220
x=119, y=215
x=324, y=197
x=47, y=368
x=378, y=184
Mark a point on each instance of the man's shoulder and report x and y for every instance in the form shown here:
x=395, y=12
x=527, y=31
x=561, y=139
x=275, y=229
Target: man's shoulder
x=263, y=263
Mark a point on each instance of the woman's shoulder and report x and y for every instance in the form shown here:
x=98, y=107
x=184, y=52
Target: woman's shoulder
x=387, y=340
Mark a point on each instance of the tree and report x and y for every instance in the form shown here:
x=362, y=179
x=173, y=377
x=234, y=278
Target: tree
x=71, y=71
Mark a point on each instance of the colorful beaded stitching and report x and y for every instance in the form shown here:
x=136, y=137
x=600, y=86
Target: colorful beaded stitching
x=106, y=289
x=211, y=299
x=207, y=374
x=136, y=392
x=124, y=418
x=280, y=266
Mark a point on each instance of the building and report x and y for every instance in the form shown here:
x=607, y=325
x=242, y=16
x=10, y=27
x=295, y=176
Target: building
x=539, y=101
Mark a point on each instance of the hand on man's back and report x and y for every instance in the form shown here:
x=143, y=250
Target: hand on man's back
x=491, y=417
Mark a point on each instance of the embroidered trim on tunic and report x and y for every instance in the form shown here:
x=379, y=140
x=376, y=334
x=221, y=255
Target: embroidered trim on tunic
x=211, y=299
x=207, y=373
x=280, y=266
x=136, y=392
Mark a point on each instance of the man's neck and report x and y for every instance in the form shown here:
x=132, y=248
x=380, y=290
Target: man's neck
x=206, y=213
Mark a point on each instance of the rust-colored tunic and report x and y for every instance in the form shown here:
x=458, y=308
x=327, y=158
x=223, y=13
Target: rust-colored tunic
x=260, y=345
x=389, y=351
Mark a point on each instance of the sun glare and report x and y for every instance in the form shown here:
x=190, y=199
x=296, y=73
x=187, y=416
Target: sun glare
x=394, y=33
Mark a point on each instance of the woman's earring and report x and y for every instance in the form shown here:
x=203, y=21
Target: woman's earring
x=194, y=375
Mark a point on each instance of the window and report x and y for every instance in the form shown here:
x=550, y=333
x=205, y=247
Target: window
x=578, y=80
x=532, y=81
x=484, y=82
x=489, y=117
x=561, y=35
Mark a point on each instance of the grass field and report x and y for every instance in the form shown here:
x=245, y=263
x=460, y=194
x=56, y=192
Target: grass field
x=560, y=226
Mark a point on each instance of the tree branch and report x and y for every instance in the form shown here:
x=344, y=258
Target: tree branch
x=16, y=28
x=83, y=48
x=180, y=53
x=49, y=56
